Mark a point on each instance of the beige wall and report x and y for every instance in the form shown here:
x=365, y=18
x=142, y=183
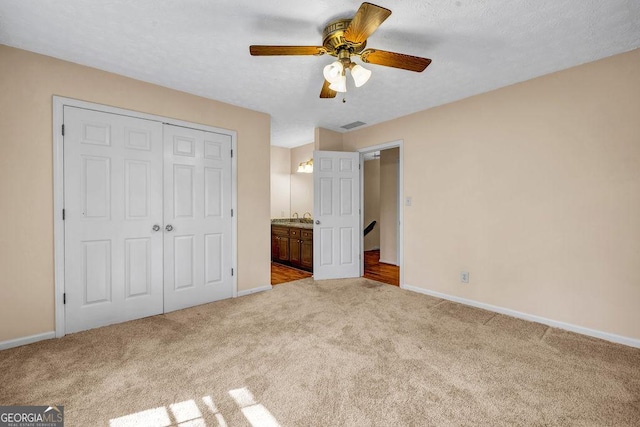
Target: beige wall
x=280, y=182
x=535, y=190
x=27, y=83
x=389, y=173
x=301, y=183
x=371, y=210
x=327, y=140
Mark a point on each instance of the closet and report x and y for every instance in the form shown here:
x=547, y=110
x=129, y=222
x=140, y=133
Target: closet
x=147, y=217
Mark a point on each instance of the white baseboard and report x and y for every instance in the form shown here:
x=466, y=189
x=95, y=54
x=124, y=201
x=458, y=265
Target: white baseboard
x=254, y=290
x=17, y=342
x=388, y=262
x=619, y=339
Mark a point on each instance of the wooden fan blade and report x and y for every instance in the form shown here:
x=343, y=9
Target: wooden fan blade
x=257, y=50
x=367, y=20
x=395, y=60
x=326, y=92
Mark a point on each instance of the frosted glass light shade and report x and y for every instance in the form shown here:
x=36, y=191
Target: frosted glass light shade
x=339, y=85
x=360, y=75
x=333, y=71
x=305, y=167
x=308, y=168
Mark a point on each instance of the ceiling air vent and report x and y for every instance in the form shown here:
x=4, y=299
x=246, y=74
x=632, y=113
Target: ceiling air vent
x=353, y=125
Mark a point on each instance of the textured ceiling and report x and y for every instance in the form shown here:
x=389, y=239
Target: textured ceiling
x=202, y=47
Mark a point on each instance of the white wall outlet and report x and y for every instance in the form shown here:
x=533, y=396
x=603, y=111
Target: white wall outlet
x=464, y=276
x=407, y=201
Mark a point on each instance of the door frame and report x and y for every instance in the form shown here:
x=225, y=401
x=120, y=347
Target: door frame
x=59, y=103
x=400, y=238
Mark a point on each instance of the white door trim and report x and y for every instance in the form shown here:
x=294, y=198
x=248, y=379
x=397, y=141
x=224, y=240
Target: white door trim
x=379, y=147
x=59, y=103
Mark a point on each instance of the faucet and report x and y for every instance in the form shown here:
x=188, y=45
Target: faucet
x=305, y=215
x=296, y=215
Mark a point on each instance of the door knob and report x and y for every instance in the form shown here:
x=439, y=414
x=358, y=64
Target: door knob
x=317, y=221
x=169, y=227
x=156, y=227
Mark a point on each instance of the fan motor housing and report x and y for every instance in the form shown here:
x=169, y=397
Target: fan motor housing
x=333, y=38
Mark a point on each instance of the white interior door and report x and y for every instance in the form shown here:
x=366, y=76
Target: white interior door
x=112, y=199
x=336, y=212
x=197, y=194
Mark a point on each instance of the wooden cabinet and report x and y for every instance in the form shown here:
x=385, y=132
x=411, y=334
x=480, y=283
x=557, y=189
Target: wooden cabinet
x=301, y=248
x=306, y=250
x=279, y=243
x=292, y=246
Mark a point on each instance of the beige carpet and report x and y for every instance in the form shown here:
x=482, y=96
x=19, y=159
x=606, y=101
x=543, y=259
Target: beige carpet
x=332, y=353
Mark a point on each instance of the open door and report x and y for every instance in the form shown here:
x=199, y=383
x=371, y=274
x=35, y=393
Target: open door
x=336, y=212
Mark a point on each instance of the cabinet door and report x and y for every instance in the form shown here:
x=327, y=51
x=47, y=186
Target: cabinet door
x=294, y=251
x=306, y=254
x=283, y=248
x=275, y=251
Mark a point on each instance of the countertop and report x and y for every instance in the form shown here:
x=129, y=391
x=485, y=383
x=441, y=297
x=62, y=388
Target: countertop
x=293, y=222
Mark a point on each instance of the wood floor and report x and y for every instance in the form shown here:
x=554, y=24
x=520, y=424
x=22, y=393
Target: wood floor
x=376, y=270
x=283, y=274
x=373, y=269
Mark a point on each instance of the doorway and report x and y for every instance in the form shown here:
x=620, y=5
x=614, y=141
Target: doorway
x=381, y=201
x=390, y=270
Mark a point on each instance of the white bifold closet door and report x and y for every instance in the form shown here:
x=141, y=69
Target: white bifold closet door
x=197, y=212
x=147, y=218
x=113, y=198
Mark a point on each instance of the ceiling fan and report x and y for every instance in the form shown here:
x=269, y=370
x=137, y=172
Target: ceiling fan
x=343, y=39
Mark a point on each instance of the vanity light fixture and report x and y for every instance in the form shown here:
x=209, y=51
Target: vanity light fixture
x=306, y=167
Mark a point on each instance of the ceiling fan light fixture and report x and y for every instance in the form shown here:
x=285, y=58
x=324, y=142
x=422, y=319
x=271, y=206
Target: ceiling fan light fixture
x=333, y=71
x=360, y=75
x=340, y=84
x=343, y=39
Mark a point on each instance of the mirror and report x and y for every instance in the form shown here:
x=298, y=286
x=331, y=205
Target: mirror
x=291, y=191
